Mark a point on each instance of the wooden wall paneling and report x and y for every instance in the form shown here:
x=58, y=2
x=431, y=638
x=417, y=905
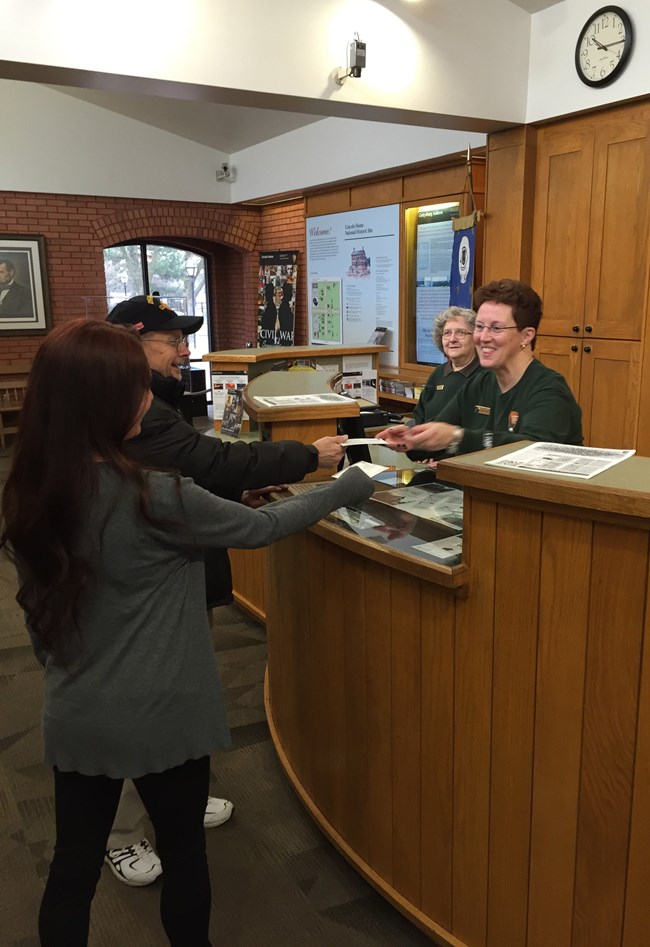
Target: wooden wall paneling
x=249, y=580
x=377, y=597
x=643, y=430
x=616, y=617
x=328, y=689
x=636, y=922
x=437, y=752
x=290, y=666
x=438, y=182
x=564, y=595
x=562, y=355
x=312, y=768
x=610, y=383
x=561, y=225
x=405, y=729
x=509, y=202
x=519, y=555
x=351, y=616
x=375, y=194
x=618, y=231
x=329, y=202
x=472, y=727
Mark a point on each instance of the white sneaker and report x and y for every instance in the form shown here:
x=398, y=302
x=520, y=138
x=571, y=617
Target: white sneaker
x=217, y=812
x=135, y=865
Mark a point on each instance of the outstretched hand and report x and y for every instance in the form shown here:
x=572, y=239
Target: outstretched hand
x=436, y=435
x=330, y=450
x=395, y=436
x=257, y=498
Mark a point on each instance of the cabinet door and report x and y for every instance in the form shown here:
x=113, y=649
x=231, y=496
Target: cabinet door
x=561, y=226
x=562, y=355
x=618, y=235
x=609, y=392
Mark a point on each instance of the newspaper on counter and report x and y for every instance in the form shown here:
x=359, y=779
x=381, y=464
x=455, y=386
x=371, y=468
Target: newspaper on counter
x=564, y=459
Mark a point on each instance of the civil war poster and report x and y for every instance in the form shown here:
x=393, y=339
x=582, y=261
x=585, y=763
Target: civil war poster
x=276, y=297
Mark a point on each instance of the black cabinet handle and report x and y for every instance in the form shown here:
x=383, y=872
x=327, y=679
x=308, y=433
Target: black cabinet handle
x=589, y=328
x=576, y=328
x=574, y=348
x=587, y=348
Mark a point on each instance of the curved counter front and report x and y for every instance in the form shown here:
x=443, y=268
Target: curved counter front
x=476, y=739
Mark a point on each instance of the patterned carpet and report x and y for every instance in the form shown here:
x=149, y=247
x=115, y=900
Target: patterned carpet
x=276, y=881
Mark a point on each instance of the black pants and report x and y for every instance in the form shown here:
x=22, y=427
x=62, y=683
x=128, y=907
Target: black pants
x=85, y=809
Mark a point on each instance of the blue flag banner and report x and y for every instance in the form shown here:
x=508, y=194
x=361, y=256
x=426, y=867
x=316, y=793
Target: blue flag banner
x=462, y=267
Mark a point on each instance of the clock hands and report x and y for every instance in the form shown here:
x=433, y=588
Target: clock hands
x=596, y=43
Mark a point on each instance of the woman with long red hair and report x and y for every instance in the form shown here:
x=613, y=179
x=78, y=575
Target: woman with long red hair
x=110, y=566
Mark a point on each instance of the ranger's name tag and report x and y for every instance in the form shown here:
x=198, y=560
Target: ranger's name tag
x=482, y=409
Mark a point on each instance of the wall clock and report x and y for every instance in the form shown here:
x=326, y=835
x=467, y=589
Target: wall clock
x=604, y=46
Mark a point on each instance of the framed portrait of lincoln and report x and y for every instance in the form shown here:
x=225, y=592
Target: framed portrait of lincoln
x=24, y=298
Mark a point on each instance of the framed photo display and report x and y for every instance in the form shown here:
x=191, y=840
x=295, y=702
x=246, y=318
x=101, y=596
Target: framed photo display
x=24, y=297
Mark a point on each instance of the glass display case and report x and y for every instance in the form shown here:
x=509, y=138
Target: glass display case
x=411, y=513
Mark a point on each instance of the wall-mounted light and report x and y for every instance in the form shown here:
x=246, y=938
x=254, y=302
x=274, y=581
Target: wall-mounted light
x=356, y=61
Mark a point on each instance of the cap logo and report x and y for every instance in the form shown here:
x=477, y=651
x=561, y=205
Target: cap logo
x=155, y=301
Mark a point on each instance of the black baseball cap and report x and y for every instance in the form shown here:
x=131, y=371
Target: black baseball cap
x=151, y=314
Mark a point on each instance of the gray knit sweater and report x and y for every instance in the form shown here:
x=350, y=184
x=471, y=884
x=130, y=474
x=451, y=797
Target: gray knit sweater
x=145, y=694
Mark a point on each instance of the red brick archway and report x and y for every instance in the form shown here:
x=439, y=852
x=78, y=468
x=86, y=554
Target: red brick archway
x=183, y=222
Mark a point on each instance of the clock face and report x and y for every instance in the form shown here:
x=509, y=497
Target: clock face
x=604, y=46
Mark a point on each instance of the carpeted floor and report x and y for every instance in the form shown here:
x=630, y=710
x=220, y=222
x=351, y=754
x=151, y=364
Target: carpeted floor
x=276, y=881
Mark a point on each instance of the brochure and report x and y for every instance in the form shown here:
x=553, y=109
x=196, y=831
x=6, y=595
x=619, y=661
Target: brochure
x=282, y=401
x=233, y=414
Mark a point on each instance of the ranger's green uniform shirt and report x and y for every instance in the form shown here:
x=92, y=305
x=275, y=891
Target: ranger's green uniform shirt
x=441, y=386
x=540, y=407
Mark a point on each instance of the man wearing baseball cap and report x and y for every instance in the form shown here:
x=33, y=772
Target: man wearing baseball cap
x=228, y=470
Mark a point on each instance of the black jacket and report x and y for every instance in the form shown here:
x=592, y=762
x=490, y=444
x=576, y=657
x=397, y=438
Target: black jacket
x=225, y=469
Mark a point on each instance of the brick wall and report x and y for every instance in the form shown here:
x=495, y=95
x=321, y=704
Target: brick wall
x=77, y=229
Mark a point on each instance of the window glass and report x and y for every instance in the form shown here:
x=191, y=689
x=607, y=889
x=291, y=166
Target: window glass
x=123, y=273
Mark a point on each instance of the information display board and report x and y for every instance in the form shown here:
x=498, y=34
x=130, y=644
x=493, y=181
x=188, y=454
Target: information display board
x=433, y=241
x=353, y=277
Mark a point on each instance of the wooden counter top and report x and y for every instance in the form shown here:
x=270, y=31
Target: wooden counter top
x=621, y=491
x=277, y=352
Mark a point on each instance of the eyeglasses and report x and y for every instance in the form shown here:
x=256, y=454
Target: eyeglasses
x=493, y=330
x=456, y=333
x=175, y=342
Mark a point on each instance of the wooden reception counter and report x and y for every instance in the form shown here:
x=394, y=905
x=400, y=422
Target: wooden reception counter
x=476, y=740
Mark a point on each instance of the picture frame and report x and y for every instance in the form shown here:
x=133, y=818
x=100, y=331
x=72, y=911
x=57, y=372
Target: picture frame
x=24, y=295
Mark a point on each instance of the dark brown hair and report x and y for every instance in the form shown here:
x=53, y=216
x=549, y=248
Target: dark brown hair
x=83, y=395
x=526, y=304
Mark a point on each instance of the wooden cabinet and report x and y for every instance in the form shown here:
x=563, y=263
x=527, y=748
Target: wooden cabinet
x=590, y=235
x=561, y=227
x=590, y=261
x=605, y=377
x=563, y=356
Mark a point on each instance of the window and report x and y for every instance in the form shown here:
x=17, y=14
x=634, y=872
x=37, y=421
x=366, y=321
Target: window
x=178, y=276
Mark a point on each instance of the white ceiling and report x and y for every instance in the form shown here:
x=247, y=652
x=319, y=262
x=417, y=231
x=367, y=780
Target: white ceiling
x=226, y=128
